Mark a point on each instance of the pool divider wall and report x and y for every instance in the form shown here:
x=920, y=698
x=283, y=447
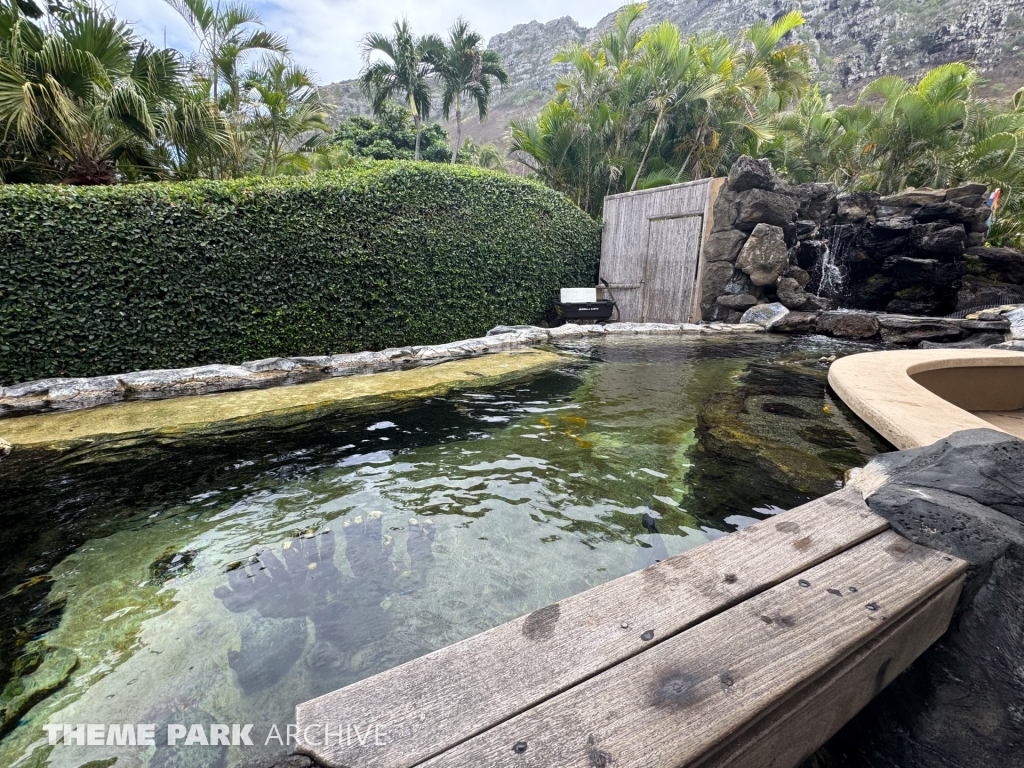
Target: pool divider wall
x=145, y=402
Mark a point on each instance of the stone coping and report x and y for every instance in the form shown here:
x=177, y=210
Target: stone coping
x=878, y=387
x=74, y=393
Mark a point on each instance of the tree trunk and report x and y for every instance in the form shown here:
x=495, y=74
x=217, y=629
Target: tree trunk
x=458, y=131
x=643, y=160
x=416, y=120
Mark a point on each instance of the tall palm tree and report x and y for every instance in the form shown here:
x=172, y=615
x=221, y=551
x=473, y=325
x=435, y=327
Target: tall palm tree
x=287, y=106
x=403, y=74
x=227, y=35
x=465, y=71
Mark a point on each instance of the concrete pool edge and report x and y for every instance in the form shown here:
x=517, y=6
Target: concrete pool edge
x=64, y=394
x=881, y=389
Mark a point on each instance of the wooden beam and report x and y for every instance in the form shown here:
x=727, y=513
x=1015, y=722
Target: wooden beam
x=433, y=703
x=673, y=704
x=811, y=716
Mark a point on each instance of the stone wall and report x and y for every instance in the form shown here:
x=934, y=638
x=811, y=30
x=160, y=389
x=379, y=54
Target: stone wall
x=810, y=248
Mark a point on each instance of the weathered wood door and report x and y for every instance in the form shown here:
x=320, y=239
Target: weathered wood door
x=650, y=250
x=670, y=270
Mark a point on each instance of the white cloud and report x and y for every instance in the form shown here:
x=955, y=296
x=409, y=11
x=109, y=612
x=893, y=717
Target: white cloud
x=325, y=34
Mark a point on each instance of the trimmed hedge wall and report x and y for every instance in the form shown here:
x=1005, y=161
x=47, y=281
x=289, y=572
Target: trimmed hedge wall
x=107, y=280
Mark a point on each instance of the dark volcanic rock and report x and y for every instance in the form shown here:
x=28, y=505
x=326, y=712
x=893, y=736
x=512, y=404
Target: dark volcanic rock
x=854, y=325
x=740, y=301
x=977, y=341
x=947, y=211
x=816, y=201
x=1003, y=264
x=855, y=207
x=961, y=704
x=724, y=245
x=793, y=296
x=748, y=173
x=940, y=240
x=801, y=276
x=807, y=253
x=911, y=330
x=758, y=206
x=797, y=322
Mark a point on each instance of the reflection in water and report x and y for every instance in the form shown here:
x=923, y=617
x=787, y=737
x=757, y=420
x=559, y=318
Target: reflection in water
x=226, y=577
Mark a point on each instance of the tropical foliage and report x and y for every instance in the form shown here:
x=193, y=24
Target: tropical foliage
x=391, y=137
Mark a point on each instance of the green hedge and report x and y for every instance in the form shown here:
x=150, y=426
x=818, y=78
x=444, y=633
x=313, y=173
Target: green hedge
x=113, y=279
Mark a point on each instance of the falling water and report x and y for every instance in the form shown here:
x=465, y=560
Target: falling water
x=829, y=273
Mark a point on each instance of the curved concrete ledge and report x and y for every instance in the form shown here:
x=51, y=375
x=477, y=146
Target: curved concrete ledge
x=918, y=396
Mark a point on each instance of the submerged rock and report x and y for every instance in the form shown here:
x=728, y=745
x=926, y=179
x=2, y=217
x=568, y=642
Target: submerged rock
x=42, y=671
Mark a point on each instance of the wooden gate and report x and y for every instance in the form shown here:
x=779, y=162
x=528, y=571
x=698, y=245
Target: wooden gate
x=650, y=250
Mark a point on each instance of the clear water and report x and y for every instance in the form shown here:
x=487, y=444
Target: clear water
x=228, y=578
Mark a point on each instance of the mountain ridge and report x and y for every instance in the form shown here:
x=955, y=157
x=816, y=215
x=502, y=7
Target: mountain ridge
x=851, y=41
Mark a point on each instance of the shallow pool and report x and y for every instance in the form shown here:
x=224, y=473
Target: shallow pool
x=224, y=579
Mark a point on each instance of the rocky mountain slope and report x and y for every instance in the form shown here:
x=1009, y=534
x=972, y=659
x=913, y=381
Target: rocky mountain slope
x=852, y=42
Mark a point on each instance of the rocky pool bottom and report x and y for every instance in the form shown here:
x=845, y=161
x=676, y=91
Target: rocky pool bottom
x=226, y=577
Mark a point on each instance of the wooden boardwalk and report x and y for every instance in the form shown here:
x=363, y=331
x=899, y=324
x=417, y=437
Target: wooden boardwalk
x=749, y=651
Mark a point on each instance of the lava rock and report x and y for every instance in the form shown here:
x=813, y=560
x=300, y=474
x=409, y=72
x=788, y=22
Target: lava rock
x=740, y=302
x=807, y=253
x=805, y=230
x=939, y=239
x=969, y=195
x=900, y=329
x=961, y=703
x=758, y=206
x=748, y=173
x=723, y=246
x=855, y=207
x=765, y=315
x=716, y=276
x=764, y=256
x=793, y=296
x=1003, y=264
x=945, y=211
x=913, y=199
x=801, y=276
x=796, y=322
x=816, y=201
x=852, y=325
x=725, y=210
x=976, y=341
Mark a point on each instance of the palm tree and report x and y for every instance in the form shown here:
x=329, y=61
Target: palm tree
x=403, y=75
x=84, y=100
x=287, y=106
x=227, y=35
x=465, y=71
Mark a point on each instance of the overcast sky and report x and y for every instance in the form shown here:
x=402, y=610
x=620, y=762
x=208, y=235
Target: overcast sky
x=325, y=34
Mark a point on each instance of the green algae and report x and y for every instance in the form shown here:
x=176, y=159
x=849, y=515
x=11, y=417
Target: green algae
x=181, y=415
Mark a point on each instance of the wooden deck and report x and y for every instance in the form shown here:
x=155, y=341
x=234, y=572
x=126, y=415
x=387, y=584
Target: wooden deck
x=748, y=651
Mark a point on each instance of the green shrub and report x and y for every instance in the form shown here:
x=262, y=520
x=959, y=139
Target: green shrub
x=106, y=280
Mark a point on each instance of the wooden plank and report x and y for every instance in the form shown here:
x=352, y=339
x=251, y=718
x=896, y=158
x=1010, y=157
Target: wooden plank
x=672, y=704
x=432, y=703
x=811, y=716
x=671, y=268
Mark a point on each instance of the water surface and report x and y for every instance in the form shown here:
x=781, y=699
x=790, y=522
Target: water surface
x=224, y=579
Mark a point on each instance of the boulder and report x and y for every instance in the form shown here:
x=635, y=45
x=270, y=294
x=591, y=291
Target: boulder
x=801, y=276
x=758, y=206
x=969, y=195
x=765, y=315
x=724, y=211
x=748, y=173
x=716, y=276
x=796, y=322
x=887, y=237
x=816, y=201
x=1016, y=320
x=764, y=256
x=805, y=229
x=1003, y=264
x=793, y=296
x=962, y=702
x=855, y=207
x=740, y=301
x=914, y=198
x=724, y=245
x=900, y=329
x=851, y=325
x=975, y=341
x=939, y=240
x=947, y=211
